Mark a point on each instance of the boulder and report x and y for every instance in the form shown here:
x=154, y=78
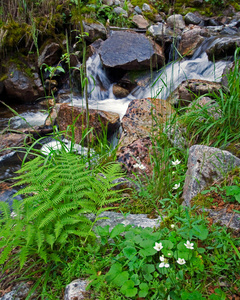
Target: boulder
x=95, y=31
x=176, y=21
x=206, y=165
x=130, y=51
x=191, y=18
x=140, y=21
x=22, y=86
x=223, y=47
x=188, y=90
x=140, y=118
x=98, y=120
x=50, y=55
x=120, y=92
x=76, y=290
x=191, y=39
x=135, y=157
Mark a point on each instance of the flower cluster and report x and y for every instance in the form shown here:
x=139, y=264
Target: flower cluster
x=139, y=166
x=164, y=261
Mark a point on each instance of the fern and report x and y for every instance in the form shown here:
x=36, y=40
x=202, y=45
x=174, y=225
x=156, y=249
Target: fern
x=58, y=193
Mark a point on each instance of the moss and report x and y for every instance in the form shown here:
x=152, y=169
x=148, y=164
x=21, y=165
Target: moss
x=202, y=200
x=3, y=77
x=22, y=63
x=18, y=36
x=139, y=2
x=234, y=149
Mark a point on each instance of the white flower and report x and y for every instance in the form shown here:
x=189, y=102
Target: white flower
x=139, y=166
x=176, y=162
x=181, y=261
x=169, y=254
x=176, y=186
x=172, y=225
x=189, y=245
x=164, y=262
x=13, y=214
x=158, y=246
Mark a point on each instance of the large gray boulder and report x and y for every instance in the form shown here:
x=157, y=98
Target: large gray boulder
x=50, y=55
x=130, y=51
x=205, y=165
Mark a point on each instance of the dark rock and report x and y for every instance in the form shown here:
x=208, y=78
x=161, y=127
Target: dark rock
x=95, y=31
x=94, y=47
x=1, y=87
x=50, y=55
x=130, y=51
x=120, y=92
x=98, y=120
x=191, y=18
x=138, y=10
x=229, y=68
x=213, y=22
x=229, y=30
x=11, y=141
x=223, y=47
x=21, y=86
x=205, y=165
x=7, y=193
x=190, y=89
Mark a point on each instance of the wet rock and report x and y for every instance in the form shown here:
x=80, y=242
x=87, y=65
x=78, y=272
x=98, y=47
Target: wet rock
x=191, y=39
x=223, y=47
x=6, y=193
x=229, y=30
x=98, y=120
x=190, y=89
x=22, y=86
x=140, y=21
x=95, y=31
x=191, y=18
x=50, y=55
x=120, y=92
x=11, y=141
x=230, y=68
x=76, y=290
x=176, y=21
x=94, y=47
x=205, y=165
x=215, y=30
x=50, y=85
x=130, y=51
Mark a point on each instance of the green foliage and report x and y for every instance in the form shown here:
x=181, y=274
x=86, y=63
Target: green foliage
x=59, y=192
x=190, y=253
x=217, y=124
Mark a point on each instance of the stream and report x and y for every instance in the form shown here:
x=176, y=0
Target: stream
x=101, y=95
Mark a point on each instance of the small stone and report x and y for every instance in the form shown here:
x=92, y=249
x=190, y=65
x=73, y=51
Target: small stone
x=140, y=21
x=138, y=10
x=120, y=11
x=146, y=7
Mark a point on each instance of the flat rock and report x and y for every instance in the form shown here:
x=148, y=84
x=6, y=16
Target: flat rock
x=140, y=21
x=98, y=119
x=130, y=51
x=205, y=165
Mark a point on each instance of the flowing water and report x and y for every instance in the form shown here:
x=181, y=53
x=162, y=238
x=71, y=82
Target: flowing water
x=101, y=95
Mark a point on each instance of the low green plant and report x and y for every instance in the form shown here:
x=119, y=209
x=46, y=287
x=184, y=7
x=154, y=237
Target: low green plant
x=58, y=193
x=176, y=262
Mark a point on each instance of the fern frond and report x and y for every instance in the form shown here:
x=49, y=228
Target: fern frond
x=4, y=212
x=50, y=217
x=40, y=239
x=23, y=255
x=50, y=238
